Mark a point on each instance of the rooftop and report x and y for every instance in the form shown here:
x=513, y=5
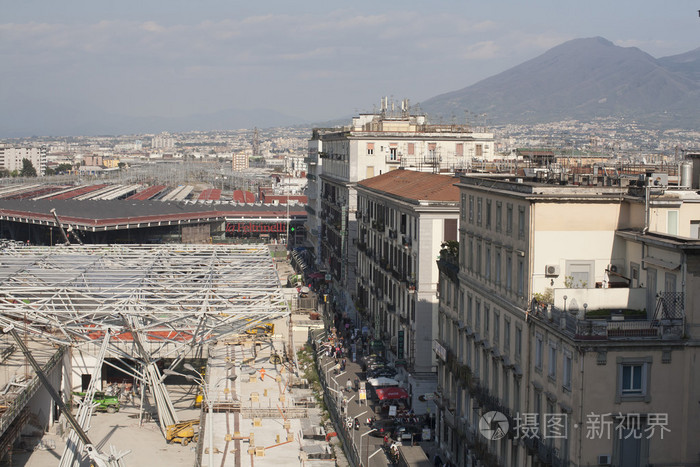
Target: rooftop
x=416, y=186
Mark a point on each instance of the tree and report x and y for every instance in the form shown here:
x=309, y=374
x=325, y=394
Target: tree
x=63, y=168
x=28, y=169
x=50, y=171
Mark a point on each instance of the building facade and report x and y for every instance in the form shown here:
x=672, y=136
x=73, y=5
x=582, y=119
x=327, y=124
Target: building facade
x=403, y=219
x=569, y=315
x=372, y=145
x=11, y=158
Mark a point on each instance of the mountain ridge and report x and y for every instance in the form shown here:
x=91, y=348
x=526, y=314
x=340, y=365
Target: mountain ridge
x=583, y=79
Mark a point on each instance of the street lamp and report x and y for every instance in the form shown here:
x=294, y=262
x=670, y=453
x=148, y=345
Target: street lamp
x=201, y=381
x=363, y=434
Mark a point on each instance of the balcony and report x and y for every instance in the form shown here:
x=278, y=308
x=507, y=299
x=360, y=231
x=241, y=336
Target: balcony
x=609, y=324
x=596, y=299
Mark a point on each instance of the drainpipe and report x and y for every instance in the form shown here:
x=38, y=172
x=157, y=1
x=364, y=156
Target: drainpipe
x=646, y=206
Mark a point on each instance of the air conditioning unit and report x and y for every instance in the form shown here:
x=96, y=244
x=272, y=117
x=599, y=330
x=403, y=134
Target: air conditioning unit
x=551, y=270
x=604, y=459
x=616, y=268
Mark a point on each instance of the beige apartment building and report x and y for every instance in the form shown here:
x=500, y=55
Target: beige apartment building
x=403, y=217
x=570, y=311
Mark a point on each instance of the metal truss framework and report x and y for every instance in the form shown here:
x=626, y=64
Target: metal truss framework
x=152, y=301
x=178, y=294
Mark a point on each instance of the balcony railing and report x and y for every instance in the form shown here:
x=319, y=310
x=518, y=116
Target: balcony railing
x=614, y=327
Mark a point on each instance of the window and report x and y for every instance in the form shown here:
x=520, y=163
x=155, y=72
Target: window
x=509, y=273
x=496, y=330
x=478, y=211
x=471, y=208
x=633, y=379
x=498, y=266
x=499, y=208
x=469, y=309
x=566, y=373
x=486, y=368
x=521, y=278
x=488, y=213
x=518, y=341
x=506, y=333
x=494, y=386
x=539, y=348
x=470, y=266
x=552, y=361
x=478, y=257
x=487, y=319
x=509, y=218
x=487, y=266
x=521, y=222
x=370, y=149
x=463, y=209
x=672, y=222
x=393, y=154
x=477, y=323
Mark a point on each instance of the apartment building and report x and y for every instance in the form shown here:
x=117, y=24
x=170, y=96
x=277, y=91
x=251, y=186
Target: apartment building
x=403, y=218
x=240, y=161
x=372, y=145
x=11, y=158
x=568, y=335
x=314, y=165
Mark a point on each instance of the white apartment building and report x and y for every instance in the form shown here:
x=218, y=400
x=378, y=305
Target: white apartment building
x=240, y=161
x=372, y=145
x=11, y=158
x=403, y=218
x=573, y=316
x=163, y=141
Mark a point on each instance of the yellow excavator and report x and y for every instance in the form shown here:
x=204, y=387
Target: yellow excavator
x=182, y=432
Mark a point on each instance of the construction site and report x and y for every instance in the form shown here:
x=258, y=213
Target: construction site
x=117, y=355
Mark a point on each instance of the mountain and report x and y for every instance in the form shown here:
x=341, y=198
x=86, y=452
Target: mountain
x=687, y=64
x=77, y=119
x=583, y=79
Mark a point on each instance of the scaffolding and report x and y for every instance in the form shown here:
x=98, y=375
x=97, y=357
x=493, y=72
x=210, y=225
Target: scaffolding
x=154, y=301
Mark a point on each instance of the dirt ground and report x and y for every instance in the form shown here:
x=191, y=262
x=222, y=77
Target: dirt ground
x=122, y=431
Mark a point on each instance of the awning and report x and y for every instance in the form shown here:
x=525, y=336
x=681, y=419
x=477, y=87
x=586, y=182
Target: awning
x=391, y=393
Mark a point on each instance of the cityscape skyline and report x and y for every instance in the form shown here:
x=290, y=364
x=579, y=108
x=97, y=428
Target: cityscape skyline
x=310, y=62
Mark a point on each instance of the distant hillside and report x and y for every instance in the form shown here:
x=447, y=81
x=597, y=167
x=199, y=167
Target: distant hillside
x=54, y=120
x=583, y=79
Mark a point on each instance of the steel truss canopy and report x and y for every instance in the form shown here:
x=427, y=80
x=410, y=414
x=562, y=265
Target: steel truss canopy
x=182, y=294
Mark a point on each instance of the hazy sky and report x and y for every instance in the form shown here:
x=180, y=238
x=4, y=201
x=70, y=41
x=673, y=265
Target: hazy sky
x=312, y=59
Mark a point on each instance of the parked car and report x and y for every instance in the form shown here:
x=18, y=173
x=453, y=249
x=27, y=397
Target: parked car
x=385, y=371
x=372, y=361
x=407, y=432
x=382, y=427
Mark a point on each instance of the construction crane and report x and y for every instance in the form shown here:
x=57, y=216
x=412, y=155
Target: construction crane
x=98, y=459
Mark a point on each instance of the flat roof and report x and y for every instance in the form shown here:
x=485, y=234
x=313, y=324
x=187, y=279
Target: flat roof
x=114, y=214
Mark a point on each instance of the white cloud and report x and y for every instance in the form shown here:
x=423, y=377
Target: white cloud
x=152, y=26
